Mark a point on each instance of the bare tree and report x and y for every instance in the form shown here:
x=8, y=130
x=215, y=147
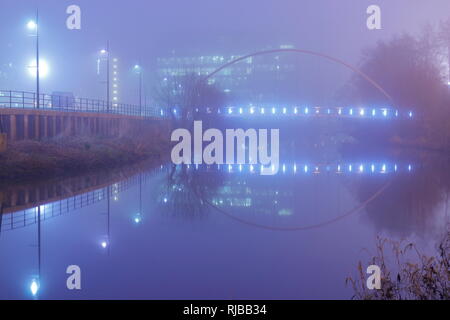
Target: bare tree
x=188, y=97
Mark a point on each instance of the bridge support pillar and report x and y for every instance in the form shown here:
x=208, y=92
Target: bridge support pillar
x=3, y=142
x=45, y=131
x=25, y=127
x=36, y=127
x=12, y=127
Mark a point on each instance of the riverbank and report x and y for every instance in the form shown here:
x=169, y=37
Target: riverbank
x=28, y=160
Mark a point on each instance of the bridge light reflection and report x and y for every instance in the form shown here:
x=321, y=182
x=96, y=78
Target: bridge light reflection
x=323, y=168
x=34, y=287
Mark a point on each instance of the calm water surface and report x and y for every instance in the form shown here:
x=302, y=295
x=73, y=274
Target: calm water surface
x=216, y=232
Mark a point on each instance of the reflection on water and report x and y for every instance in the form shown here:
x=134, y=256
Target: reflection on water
x=214, y=231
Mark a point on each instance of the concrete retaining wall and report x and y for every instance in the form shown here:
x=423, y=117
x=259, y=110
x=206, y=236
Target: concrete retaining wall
x=23, y=124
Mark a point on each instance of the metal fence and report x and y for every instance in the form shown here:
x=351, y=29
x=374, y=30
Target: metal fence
x=68, y=103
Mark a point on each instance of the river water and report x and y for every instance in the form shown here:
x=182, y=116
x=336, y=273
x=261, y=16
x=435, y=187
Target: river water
x=217, y=232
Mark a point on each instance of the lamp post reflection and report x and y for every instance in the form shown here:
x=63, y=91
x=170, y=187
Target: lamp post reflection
x=36, y=279
x=105, y=242
x=137, y=219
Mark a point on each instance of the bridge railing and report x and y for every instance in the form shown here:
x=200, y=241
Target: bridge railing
x=23, y=218
x=28, y=100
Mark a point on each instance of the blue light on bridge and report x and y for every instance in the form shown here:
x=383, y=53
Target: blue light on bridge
x=310, y=111
x=321, y=168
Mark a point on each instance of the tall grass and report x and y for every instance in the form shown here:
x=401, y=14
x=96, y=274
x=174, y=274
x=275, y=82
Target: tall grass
x=412, y=275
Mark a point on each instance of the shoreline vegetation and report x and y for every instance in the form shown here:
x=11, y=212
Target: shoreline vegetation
x=64, y=156
x=410, y=275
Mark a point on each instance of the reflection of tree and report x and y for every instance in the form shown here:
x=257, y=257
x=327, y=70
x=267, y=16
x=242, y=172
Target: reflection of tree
x=411, y=202
x=186, y=189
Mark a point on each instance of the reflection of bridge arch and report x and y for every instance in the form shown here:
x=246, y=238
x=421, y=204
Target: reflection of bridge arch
x=308, y=52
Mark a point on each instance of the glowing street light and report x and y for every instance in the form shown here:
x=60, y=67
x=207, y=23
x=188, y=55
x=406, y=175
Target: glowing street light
x=43, y=68
x=32, y=25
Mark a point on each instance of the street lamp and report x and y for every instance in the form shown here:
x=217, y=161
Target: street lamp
x=33, y=25
x=43, y=68
x=138, y=69
x=105, y=53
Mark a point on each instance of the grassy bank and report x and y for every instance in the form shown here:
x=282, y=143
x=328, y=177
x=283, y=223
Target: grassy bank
x=27, y=160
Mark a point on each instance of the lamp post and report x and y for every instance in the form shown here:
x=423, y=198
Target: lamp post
x=138, y=69
x=34, y=25
x=106, y=54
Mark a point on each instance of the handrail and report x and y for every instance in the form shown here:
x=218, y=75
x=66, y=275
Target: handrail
x=27, y=100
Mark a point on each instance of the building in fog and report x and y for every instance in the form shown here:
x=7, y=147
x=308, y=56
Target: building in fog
x=265, y=78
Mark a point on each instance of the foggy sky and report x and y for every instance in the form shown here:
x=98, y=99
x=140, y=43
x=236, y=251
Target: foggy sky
x=140, y=31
